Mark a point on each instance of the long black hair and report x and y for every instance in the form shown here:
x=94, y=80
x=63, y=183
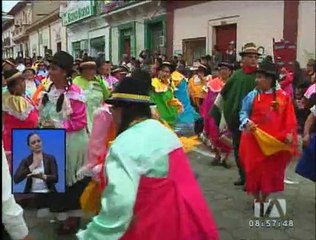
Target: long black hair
x=61, y=97
x=132, y=112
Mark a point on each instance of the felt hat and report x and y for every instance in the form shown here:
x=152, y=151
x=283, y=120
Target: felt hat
x=249, y=48
x=226, y=64
x=12, y=75
x=124, y=68
x=88, y=62
x=7, y=61
x=267, y=67
x=131, y=90
x=29, y=69
x=64, y=60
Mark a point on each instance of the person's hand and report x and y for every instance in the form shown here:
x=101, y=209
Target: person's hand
x=28, y=237
x=289, y=139
x=250, y=126
x=39, y=175
x=48, y=124
x=306, y=140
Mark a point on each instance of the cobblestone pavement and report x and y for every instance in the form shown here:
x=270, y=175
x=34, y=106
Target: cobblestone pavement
x=230, y=205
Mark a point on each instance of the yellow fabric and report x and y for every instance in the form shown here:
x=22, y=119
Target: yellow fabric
x=176, y=103
x=17, y=104
x=268, y=144
x=176, y=78
x=90, y=199
x=189, y=143
x=158, y=85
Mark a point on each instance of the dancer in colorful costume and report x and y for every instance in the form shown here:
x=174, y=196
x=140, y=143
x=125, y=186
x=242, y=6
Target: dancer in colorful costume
x=163, y=95
x=63, y=106
x=217, y=133
x=197, y=85
x=19, y=111
x=94, y=88
x=307, y=163
x=186, y=119
x=146, y=176
x=269, y=137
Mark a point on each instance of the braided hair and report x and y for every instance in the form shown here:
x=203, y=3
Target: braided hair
x=61, y=97
x=275, y=103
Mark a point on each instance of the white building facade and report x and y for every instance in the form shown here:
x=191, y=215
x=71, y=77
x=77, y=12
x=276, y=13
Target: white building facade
x=219, y=22
x=7, y=43
x=87, y=30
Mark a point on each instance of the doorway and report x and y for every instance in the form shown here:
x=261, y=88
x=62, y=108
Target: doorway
x=58, y=46
x=127, y=46
x=224, y=35
x=193, y=48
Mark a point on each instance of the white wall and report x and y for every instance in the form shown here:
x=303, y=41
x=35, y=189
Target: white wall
x=33, y=37
x=306, y=32
x=257, y=22
x=58, y=34
x=46, y=40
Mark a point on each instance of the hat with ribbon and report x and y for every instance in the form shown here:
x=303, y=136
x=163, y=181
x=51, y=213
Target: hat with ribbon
x=12, y=75
x=249, y=48
x=131, y=90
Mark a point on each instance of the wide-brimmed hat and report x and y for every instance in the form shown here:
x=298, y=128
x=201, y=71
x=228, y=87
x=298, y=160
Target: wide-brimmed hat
x=226, y=64
x=87, y=63
x=64, y=60
x=249, y=48
x=131, y=90
x=29, y=69
x=12, y=75
x=7, y=61
x=267, y=67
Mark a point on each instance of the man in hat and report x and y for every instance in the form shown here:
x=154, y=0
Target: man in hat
x=232, y=94
x=8, y=64
x=31, y=83
x=231, y=52
x=41, y=71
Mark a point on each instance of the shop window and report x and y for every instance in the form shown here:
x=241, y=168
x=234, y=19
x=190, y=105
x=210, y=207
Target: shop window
x=97, y=45
x=193, y=48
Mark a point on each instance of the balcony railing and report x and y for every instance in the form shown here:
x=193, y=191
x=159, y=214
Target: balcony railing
x=114, y=5
x=18, y=32
x=6, y=42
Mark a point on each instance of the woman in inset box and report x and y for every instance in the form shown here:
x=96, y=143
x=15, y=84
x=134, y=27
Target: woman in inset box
x=269, y=138
x=39, y=168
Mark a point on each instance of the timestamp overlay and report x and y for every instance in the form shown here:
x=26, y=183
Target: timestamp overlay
x=271, y=214
x=278, y=223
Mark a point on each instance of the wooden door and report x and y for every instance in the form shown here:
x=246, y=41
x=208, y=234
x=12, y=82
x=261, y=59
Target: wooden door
x=193, y=48
x=224, y=35
x=127, y=45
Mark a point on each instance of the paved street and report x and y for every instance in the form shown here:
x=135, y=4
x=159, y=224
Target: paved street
x=231, y=206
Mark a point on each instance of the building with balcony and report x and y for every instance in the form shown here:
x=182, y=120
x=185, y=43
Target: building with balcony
x=47, y=32
x=136, y=25
x=7, y=43
x=87, y=30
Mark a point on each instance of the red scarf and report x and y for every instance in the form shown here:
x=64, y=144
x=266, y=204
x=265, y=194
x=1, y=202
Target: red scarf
x=249, y=69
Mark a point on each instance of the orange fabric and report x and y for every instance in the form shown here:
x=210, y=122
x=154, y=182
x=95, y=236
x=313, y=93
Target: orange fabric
x=36, y=95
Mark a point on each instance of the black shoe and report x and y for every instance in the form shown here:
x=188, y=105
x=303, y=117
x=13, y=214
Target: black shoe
x=239, y=183
x=216, y=162
x=226, y=165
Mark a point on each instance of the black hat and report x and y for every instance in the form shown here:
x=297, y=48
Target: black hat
x=131, y=90
x=64, y=60
x=12, y=74
x=226, y=64
x=267, y=67
x=29, y=69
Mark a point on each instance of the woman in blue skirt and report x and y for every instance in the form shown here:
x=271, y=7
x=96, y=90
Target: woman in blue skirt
x=306, y=165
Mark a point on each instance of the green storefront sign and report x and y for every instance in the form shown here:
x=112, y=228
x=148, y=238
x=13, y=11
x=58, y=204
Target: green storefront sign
x=79, y=13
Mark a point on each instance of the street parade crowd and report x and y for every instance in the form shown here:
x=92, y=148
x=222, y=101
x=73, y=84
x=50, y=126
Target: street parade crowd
x=129, y=127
